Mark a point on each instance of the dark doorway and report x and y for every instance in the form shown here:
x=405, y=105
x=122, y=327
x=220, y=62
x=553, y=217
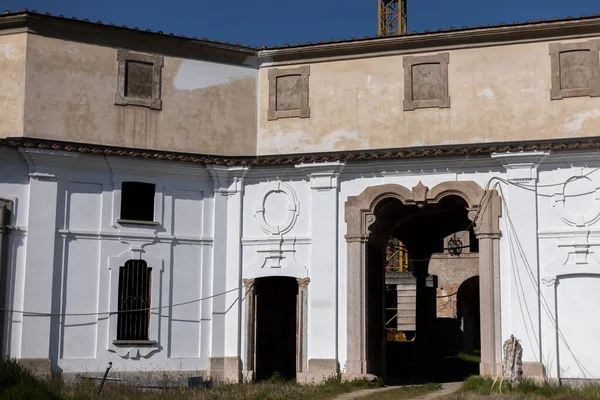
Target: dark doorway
x=276, y=327
x=468, y=313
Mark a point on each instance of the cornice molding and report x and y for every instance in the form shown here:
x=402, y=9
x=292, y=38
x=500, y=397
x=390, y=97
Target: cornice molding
x=426, y=154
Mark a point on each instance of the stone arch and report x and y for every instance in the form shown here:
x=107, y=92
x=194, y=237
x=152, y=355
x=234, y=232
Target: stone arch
x=484, y=209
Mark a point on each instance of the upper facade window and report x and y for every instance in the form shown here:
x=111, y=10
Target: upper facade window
x=137, y=202
x=288, y=93
x=139, y=80
x=575, y=69
x=426, y=82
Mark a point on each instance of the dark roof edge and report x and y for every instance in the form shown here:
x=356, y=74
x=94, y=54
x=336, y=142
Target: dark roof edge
x=195, y=48
x=290, y=159
x=142, y=40
x=465, y=37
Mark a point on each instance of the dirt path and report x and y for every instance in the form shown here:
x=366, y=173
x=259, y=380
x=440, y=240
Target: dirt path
x=447, y=388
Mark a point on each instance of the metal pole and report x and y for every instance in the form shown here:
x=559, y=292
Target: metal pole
x=104, y=377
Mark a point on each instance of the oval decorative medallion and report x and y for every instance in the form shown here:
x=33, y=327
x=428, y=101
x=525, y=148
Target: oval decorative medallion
x=578, y=202
x=277, y=208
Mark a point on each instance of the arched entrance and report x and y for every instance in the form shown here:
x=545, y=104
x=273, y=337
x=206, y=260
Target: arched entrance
x=420, y=218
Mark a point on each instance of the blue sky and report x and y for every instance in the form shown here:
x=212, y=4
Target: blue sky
x=271, y=22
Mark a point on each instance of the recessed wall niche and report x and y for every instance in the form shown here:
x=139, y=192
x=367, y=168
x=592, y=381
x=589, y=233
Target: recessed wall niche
x=575, y=69
x=139, y=80
x=426, y=82
x=288, y=93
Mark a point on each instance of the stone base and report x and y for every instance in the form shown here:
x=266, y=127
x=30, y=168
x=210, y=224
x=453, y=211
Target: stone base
x=358, y=377
x=143, y=378
x=490, y=369
x=534, y=370
x=225, y=369
x=319, y=370
x=40, y=367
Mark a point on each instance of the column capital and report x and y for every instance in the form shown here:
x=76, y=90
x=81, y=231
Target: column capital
x=323, y=176
x=356, y=238
x=521, y=166
x=303, y=282
x=43, y=164
x=227, y=180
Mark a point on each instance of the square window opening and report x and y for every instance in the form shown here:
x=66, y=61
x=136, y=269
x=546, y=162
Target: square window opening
x=137, y=201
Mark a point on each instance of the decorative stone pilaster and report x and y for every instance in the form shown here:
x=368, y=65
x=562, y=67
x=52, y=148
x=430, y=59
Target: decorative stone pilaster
x=302, y=317
x=249, y=366
x=225, y=361
x=324, y=217
x=39, y=333
x=522, y=238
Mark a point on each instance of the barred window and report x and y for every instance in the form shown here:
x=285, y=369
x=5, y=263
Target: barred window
x=134, y=301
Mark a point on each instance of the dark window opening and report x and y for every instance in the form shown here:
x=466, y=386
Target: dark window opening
x=137, y=201
x=139, y=79
x=134, y=301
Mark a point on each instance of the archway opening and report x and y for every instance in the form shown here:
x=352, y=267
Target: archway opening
x=415, y=255
x=276, y=331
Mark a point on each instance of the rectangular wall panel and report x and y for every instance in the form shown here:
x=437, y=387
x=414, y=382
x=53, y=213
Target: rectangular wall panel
x=185, y=320
x=187, y=213
x=84, y=209
x=578, y=299
x=81, y=296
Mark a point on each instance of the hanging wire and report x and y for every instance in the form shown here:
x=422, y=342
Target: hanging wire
x=40, y=314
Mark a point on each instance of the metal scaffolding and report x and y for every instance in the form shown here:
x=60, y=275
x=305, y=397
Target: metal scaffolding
x=391, y=16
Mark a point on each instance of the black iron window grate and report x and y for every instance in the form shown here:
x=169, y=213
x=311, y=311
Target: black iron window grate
x=134, y=301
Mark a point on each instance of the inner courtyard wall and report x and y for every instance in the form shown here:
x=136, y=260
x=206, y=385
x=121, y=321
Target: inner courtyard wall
x=211, y=235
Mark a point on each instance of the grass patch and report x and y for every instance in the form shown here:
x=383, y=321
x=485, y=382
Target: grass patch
x=17, y=383
x=481, y=388
x=474, y=358
x=406, y=392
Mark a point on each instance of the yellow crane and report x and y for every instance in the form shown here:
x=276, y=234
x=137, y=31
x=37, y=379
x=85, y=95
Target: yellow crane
x=391, y=15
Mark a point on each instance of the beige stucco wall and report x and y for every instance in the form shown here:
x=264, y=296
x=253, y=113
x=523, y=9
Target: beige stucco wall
x=70, y=93
x=499, y=93
x=12, y=83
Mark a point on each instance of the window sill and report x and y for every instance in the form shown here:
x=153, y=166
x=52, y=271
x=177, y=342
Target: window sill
x=136, y=343
x=136, y=222
x=134, y=349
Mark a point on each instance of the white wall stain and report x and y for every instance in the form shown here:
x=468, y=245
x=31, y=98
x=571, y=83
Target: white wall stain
x=487, y=92
x=7, y=51
x=194, y=75
x=287, y=142
x=575, y=122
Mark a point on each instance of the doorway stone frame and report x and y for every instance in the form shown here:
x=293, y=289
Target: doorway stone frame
x=249, y=369
x=484, y=208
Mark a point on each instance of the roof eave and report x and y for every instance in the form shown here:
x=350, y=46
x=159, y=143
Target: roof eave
x=468, y=37
x=130, y=38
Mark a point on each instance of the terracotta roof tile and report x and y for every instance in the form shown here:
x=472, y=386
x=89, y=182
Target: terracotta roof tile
x=289, y=159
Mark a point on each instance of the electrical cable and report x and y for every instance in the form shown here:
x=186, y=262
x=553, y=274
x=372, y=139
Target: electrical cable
x=39, y=314
x=544, y=304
